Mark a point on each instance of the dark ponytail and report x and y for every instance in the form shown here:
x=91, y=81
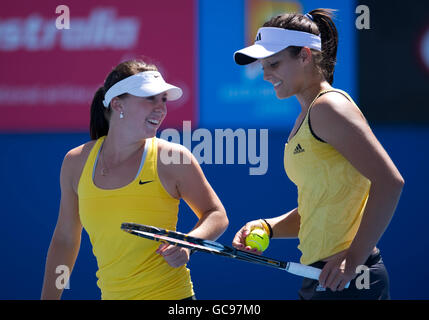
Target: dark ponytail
x=100, y=115
x=98, y=124
x=329, y=34
x=319, y=23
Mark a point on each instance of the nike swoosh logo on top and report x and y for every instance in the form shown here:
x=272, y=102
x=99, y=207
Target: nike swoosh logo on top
x=144, y=182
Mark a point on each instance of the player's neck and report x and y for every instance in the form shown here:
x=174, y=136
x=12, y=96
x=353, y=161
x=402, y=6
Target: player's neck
x=119, y=147
x=307, y=95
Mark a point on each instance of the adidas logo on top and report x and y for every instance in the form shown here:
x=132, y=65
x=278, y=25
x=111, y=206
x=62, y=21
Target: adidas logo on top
x=298, y=149
x=258, y=37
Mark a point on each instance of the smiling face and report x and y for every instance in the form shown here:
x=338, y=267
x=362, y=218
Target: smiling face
x=285, y=73
x=142, y=115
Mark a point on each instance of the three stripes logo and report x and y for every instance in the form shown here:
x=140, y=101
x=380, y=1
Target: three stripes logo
x=298, y=149
x=258, y=37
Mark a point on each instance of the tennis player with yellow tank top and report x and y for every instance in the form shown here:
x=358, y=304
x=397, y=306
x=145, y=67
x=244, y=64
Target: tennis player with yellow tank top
x=348, y=187
x=120, y=176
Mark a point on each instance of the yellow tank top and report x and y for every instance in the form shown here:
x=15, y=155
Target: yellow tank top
x=128, y=267
x=332, y=194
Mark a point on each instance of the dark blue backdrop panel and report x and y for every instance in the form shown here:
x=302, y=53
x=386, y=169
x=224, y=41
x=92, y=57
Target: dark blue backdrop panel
x=30, y=166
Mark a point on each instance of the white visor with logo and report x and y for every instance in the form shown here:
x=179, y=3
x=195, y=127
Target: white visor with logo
x=143, y=84
x=270, y=40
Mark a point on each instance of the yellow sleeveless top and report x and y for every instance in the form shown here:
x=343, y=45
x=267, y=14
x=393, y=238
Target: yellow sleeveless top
x=332, y=194
x=128, y=267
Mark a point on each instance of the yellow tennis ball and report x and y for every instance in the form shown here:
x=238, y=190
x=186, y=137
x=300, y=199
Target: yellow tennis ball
x=258, y=239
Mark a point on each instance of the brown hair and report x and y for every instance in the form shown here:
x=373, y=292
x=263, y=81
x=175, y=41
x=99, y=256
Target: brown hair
x=100, y=115
x=321, y=23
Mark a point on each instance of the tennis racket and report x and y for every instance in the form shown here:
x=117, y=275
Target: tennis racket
x=208, y=246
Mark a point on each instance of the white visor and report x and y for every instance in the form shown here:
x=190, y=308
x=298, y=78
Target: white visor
x=143, y=84
x=271, y=40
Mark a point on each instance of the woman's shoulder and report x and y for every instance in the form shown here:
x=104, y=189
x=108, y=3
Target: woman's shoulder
x=173, y=156
x=164, y=144
x=77, y=153
x=335, y=103
x=333, y=115
x=75, y=158
x=173, y=149
x=334, y=97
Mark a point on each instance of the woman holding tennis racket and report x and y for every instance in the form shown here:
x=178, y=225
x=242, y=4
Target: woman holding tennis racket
x=122, y=175
x=348, y=187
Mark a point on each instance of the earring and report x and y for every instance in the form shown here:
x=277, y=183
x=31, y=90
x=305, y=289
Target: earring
x=121, y=115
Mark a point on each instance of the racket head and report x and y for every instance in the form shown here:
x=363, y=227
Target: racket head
x=147, y=232
x=174, y=238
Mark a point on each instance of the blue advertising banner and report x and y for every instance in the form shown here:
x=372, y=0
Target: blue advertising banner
x=237, y=96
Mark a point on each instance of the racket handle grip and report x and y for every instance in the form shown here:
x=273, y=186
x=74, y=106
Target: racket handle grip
x=305, y=271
